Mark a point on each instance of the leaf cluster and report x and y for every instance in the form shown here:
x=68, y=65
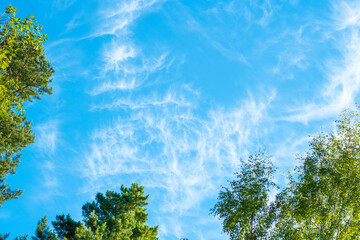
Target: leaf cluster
x=111, y=216
x=243, y=206
x=320, y=202
x=25, y=74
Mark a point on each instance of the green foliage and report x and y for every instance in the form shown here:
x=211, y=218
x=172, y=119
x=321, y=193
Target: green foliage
x=65, y=227
x=92, y=231
x=5, y=236
x=129, y=200
x=24, y=75
x=323, y=202
x=111, y=216
x=243, y=206
x=25, y=237
x=15, y=134
x=24, y=71
x=121, y=228
x=320, y=202
x=43, y=232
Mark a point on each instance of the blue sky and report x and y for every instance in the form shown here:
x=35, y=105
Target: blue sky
x=172, y=94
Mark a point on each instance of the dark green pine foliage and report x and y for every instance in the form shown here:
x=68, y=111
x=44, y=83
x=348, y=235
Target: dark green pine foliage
x=43, y=231
x=5, y=236
x=65, y=226
x=128, y=204
x=111, y=216
x=15, y=134
x=22, y=237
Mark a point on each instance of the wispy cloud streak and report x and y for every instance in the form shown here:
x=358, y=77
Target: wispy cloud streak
x=122, y=75
x=124, y=65
x=343, y=74
x=47, y=137
x=121, y=14
x=165, y=144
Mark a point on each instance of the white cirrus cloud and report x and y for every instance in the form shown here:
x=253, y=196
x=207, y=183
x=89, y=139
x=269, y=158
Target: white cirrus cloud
x=116, y=55
x=47, y=137
x=128, y=76
x=116, y=20
x=342, y=74
x=164, y=143
x=125, y=67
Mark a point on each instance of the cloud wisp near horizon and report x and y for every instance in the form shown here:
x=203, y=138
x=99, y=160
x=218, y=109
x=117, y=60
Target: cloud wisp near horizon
x=172, y=94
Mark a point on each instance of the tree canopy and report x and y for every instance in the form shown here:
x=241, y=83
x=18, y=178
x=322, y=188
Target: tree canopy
x=111, y=216
x=25, y=74
x=243, y=205
x=321, y=200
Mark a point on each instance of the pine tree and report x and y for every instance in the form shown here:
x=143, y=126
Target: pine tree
x=43, y=231
x=65, y=227
x=111, y=216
